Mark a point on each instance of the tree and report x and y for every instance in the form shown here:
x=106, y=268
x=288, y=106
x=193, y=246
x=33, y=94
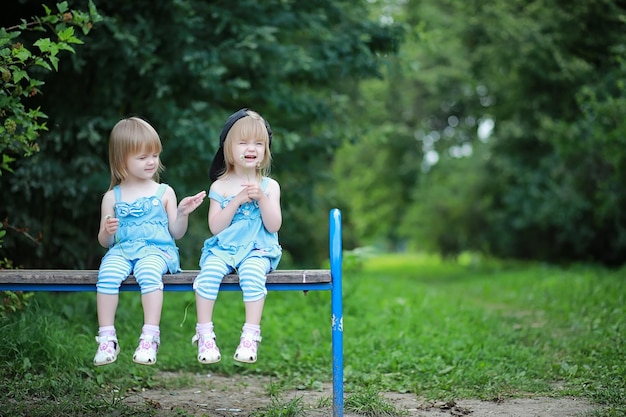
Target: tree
x=19, y=65
x=20, y=125
x=185, y=66
x=26, y=51
x=556, y=73
x=426, y=105
x=549, y=77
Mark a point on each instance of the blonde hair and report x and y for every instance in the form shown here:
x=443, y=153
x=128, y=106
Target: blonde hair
x=130, y=136
x=249, y=127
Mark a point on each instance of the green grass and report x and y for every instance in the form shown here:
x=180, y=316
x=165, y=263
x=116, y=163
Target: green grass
x=412, y=323
x=368, y=402
x=281, y=408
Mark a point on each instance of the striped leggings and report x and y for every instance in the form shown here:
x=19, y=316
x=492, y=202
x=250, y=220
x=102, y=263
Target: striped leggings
x=252, y=276
x=114, y=269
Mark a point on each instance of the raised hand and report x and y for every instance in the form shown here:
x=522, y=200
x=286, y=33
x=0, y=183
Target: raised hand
x=188, y=204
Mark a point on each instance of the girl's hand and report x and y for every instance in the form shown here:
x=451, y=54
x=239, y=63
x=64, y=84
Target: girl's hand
x=111, y=224
x=189, y=204
x=253, y=191
x=242, y=197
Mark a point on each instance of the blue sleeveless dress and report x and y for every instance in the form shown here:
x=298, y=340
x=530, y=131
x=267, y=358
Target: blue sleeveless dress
x=144, y=230
x=246, y=236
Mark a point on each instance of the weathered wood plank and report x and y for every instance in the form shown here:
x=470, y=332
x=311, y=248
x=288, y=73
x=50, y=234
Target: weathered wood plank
x=73, y=277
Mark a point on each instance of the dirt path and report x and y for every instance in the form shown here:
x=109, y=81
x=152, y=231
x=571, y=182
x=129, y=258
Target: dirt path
x=213, y=395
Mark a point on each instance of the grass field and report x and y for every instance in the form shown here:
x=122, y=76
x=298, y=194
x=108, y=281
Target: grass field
x=412, y=323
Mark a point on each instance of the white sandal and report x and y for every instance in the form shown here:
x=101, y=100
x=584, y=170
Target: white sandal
x=105, y=354
x=246, y=351
x=146, y=352
x=208, y=352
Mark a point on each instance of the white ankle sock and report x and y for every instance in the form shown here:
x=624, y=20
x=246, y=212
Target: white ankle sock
x=107, y=331
x=251, y=328
x=150, y=330
x=204, y=328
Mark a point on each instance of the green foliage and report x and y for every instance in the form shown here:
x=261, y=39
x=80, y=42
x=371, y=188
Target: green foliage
x=358, y=172
x=12, y=302
x=447, y=214
x=554, y=73
x=281, y=408
x=587, y=173
x=361, y=122
x=368, y=402
x=185, y=66
x=21, y=125
x=427, y=105
x=546, y=185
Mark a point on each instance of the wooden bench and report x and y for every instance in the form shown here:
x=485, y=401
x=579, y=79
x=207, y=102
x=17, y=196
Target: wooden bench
x=63, y=280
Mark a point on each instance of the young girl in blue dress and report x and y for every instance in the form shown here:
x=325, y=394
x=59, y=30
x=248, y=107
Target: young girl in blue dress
x=139, y=224
x=244, y=218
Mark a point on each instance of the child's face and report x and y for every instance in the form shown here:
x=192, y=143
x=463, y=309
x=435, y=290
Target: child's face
x=248, y=152
x=142, y=165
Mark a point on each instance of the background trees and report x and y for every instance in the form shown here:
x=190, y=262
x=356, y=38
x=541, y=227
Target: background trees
x=185, y=66
x=552, y=71
x=545, y=183
x=443, y=125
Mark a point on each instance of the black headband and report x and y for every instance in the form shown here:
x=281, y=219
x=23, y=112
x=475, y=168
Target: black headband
x=218, y=166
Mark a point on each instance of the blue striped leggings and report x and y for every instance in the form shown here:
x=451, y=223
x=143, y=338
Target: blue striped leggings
x=114, y=269
x=252, y=276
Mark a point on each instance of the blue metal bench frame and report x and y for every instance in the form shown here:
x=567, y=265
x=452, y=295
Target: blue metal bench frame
x=334, y=286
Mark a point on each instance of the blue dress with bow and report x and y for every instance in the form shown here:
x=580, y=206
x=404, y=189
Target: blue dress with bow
x=245, y=237
x=144, y=230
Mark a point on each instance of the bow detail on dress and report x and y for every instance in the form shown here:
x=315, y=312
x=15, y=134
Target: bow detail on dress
x=136, y=209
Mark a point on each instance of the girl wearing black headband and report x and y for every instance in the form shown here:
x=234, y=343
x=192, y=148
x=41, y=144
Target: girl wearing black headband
x=244, y=218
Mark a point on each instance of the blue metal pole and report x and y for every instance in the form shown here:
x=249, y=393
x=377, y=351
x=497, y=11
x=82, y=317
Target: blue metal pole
x=337, y=310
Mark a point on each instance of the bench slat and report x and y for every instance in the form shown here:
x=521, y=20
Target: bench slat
x=90, y=277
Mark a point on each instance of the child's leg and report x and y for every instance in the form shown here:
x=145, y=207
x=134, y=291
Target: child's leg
x=113, y=270
x=152, y=307
x=149, y=274
x=106, y=306
x=206, y=286
x=252, y=277
x=254, y=311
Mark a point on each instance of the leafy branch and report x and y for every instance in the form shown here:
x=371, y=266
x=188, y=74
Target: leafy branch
x=20, y=125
